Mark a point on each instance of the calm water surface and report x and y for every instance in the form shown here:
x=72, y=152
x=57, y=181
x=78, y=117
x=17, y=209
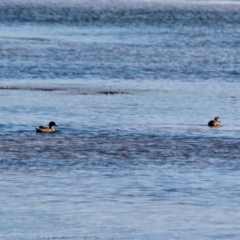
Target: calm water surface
x=132, y=87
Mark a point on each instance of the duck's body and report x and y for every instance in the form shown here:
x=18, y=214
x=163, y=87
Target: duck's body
x=215, y=123
x=49, y=128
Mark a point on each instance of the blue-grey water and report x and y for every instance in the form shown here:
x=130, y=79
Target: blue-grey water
x=132, y=87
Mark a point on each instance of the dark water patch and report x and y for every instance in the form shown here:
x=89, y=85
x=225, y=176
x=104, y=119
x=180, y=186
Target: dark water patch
x=113, y=92
x=59, y=238
x=122, y=14
x=47, y=89
x=37, y=39
x=57, y=150
x=93, y=92
x=33, y=89
x=74, y=91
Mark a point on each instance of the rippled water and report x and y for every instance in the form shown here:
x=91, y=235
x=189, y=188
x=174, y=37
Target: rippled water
x=132, y=87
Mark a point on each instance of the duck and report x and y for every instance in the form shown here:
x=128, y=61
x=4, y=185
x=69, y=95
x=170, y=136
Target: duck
x=214, y=123
x=48, y=128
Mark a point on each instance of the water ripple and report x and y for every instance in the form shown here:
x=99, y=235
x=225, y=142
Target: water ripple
x=57, y=150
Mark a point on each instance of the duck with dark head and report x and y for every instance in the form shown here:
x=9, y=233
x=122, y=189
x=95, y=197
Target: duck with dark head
x=49, y=128
x=215, y=123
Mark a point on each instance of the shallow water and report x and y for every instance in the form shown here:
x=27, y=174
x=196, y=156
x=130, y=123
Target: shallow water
x=132, y=88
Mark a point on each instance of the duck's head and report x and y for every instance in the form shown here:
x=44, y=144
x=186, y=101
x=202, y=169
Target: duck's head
x=217, y=119
x=51, y=124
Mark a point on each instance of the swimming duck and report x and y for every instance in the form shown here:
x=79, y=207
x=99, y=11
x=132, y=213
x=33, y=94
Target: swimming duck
x=47, y=129
x=214, y=123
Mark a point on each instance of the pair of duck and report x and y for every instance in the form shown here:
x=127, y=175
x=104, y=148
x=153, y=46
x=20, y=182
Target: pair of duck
x=41, y=129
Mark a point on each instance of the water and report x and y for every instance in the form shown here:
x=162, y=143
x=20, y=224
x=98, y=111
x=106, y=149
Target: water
x=132, y=87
